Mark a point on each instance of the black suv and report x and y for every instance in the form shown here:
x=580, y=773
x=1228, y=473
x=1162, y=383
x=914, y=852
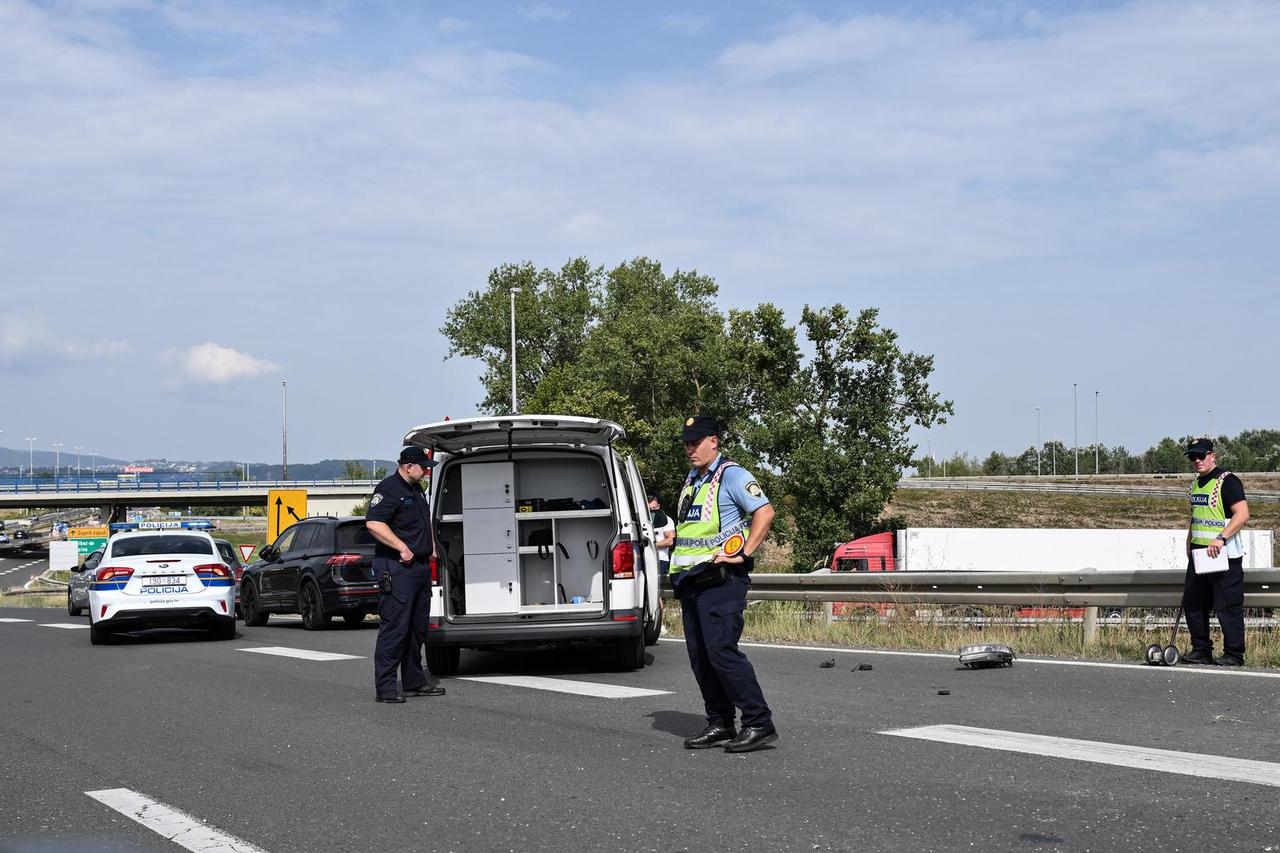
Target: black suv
x=320, y=567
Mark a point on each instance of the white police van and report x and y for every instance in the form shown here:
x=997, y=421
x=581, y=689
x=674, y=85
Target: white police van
x=545, y=539
x=161, y=574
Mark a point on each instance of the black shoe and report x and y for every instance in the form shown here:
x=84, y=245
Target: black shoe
x=1195, y=656
x=1230, y=660
x=424, y=690
x=712, y=735
x=393, y=698
x=751, y=738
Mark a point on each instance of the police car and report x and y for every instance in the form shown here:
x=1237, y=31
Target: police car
x=161, y=574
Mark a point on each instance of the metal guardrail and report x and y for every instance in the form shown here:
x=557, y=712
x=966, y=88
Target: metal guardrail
x=1077, y=589
x=968, y=485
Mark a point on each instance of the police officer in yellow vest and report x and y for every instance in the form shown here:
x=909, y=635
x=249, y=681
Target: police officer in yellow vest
x=723, y=518
x=1218, y=512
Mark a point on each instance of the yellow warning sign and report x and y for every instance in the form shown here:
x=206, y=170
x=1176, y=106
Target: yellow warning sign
x=284, y=507
x=87, y=532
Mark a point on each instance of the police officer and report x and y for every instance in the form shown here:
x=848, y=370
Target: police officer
x=1218, y=512
x=723, y=518
x=399, y=518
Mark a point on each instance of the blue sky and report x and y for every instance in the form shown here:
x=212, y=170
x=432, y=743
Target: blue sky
x=198, y=200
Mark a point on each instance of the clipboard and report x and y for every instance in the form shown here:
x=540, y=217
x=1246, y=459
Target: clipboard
x=1206, y=565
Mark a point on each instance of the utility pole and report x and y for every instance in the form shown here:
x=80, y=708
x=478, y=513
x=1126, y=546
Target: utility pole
x=1054, y=448
x=1038, y=445
x=515, y=406
x=1075, y=418
x=284, y=423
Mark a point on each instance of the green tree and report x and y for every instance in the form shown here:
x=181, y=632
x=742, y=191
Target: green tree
x=856, y=399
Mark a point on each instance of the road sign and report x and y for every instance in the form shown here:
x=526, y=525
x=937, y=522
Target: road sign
x=245, y=551
x=87, y=539
x=284, y=508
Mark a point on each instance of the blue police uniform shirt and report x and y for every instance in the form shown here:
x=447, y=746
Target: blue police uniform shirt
x=403, y=507
x=739, y=493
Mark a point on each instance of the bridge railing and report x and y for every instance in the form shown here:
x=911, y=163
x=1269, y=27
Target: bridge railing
x=64, y=486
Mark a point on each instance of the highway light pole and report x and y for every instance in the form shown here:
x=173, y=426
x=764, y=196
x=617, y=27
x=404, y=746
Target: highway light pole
x=1096, y=394
x=1075, y=419
x=31, y=456
x=515, y=407
x=1038, y=445
x=284, y=429
x=77, y=449
x=1210, y=434
x=93, y=459
x=57, y=457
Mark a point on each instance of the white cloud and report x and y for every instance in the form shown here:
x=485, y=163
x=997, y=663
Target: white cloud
x=686, y=23
x=29, y=341
x=542, y=12
x=213, y=363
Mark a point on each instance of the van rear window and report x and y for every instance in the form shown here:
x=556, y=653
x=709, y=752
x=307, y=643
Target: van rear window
x=352, y=534
x=139, y=546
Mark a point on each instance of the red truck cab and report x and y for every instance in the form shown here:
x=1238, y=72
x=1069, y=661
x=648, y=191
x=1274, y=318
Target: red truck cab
x=869, y=554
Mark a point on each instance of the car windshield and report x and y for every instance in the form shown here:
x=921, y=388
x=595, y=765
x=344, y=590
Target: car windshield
x=352, y=535
x=138, y=546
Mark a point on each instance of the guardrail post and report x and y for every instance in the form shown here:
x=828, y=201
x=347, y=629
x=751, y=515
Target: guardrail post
x=1090, y=625
x=829, y=608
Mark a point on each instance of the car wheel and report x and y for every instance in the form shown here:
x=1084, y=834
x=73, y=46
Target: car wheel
x=254, y=615
x=311, y=607
x=224, y=630
x=629, y=653
x=443, y=660
x=99, y=635
x=353, y=617
x=72, y=610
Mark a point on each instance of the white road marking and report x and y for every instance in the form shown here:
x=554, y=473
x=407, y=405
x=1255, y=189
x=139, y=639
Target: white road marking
x=179, y=827
x=61, y=625
x=304, y=654
x=15, y=620
x=1099, y=752
x=1142, y=667
x=563, y=685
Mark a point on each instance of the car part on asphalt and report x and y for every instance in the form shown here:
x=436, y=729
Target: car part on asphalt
x=1168, y=656
x=984, y=655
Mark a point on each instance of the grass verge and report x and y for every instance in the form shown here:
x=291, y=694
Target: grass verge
x=938, y=629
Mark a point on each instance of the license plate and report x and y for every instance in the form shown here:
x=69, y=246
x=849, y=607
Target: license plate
x=165, y=580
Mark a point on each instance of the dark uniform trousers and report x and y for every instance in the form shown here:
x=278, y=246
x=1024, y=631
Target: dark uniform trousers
x=1223, y=594
x=712, y=627
x=404, y=613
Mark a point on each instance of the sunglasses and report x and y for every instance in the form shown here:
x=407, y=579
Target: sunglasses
x=1196, y=457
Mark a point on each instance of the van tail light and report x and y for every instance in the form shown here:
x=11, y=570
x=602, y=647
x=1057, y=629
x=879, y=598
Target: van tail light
x=212, y=570
x=115, y=573
x=624, y=561
x=434, y=579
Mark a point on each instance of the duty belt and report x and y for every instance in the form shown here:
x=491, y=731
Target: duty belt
x=712, y=541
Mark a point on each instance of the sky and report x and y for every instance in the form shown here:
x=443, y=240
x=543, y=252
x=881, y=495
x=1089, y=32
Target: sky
x=199, y=201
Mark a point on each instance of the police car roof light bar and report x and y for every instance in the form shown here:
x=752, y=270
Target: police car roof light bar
x=160, y=525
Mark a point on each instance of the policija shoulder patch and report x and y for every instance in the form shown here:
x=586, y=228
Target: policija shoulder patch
x=753, y=489
x=376, y=499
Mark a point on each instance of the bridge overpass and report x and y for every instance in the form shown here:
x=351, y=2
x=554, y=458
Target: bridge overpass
x=113, y=498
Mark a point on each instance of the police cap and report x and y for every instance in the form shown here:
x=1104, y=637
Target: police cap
x=416, y=456
x=1200, y=445
x=699, y=427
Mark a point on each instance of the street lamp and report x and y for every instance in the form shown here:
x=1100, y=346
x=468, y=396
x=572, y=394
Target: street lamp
x=515, y=408
x=1038, y=441
x=57, y=457
x=1210, y=435
x=1075, y=418
x=1054, y=450
x=31, y=456
x=284, y=429
x=77, y=449
x=93, y=458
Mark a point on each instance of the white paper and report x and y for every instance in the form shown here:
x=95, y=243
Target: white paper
x=1206, y=565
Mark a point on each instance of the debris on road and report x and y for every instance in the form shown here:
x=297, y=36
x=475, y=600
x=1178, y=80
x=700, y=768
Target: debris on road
x=827, y=664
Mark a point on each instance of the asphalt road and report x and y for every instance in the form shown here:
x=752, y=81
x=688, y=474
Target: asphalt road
x=18, y=567
x=292, y=754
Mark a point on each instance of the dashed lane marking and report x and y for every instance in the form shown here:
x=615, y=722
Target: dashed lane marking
x=562, y=685
x=166, y=821
x=1139, y=667
x=15, y=620
x=1099, y=752
x=61, y=625
x=303, y=654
